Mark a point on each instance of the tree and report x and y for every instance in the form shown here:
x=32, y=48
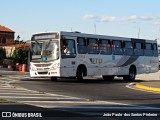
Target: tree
x=20, y=56
x=2, y=53
x=18, y=41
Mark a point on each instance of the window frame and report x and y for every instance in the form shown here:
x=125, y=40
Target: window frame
x=115, y=48
x=155, y=51
x=93, y=49
x=4, y=39
x=138, y=50
x=85, y=45
x=108, y=47
x=63, y=55
x=128, y=50
x=148, y=52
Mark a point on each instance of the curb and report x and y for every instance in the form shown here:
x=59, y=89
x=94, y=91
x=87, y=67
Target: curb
x=138, y=85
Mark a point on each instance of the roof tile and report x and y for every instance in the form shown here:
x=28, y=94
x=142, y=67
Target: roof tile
x=5, y=29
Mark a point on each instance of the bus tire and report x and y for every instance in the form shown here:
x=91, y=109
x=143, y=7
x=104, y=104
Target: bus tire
x=53, y=78
x=80, y=74
x=108, y=77
x=132, y=74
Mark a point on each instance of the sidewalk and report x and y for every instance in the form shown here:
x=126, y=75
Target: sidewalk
x=150, y=76
x=152, y=82
x=2, y=72
x=149, y=86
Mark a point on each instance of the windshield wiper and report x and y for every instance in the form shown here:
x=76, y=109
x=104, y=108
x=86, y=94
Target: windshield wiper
x=48, y=44
x=38, y=44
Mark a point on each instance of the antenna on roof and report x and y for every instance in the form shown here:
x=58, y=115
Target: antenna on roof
x=94, y=28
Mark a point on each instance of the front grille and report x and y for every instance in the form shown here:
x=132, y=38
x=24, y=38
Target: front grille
x=42, y=73
x=43, y=65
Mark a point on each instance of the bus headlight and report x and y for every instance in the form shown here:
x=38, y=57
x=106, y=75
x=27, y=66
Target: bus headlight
x=33, y=68
x=55, y=66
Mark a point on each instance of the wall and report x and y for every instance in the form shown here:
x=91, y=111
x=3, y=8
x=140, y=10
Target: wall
x=9, y=50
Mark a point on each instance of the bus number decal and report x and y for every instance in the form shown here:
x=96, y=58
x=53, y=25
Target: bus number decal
x=96, y=60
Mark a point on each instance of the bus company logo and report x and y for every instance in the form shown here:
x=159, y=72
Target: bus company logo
x=6, y=114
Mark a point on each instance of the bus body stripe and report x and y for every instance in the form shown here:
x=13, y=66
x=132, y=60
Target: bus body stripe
x=129, y=61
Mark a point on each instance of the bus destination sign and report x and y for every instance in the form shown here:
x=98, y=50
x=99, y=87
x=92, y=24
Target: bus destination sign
x=45, y=36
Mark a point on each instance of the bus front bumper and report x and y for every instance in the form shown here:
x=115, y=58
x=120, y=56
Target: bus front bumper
x=44, y=74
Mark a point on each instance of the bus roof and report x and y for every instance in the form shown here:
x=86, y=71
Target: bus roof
x=92, y=35
x=79, y=34
x=102, y=36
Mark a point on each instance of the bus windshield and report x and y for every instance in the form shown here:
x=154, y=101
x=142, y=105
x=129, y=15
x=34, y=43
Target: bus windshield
x=44, y=50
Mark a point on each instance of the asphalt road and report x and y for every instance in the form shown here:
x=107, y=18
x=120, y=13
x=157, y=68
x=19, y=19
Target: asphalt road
x=92, y=97
x=93, y=89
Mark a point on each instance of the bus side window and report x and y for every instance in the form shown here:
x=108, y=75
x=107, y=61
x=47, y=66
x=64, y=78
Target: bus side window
x=138, y=48
x=117, y=47
x=148, y=49
x=81, y=46
x=93, y=47
x=68, y=48
x=64, y=45
x=105, y=46
x=155, y=51
x=128, y=48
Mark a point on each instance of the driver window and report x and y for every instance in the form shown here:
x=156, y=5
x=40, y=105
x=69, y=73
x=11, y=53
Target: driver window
x=68, y=48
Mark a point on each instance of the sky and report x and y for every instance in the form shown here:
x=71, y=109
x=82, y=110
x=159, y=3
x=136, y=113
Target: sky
x=124, y=18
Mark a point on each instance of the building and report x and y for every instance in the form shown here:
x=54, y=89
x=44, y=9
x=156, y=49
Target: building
x=6, y=36
x=9, y=49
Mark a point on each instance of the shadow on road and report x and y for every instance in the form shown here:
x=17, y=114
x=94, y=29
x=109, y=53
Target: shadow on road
x=73, y=80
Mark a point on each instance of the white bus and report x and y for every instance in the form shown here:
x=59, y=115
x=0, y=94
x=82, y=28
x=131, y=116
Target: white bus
x=74, y=54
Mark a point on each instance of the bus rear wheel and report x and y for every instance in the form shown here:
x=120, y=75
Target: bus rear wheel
x=53, y=78
x=108, y=77
x=132, y=75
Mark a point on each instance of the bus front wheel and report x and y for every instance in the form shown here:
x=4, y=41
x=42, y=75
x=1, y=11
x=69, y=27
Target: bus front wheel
x=80, y=74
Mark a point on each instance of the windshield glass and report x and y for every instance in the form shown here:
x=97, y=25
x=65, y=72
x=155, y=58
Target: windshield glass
x=44, y=50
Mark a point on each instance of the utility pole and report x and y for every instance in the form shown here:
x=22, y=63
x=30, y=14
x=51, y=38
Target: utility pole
x=158, y=32
x=95, y=28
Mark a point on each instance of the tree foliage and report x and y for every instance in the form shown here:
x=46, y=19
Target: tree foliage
x=20, y=56
x=2, y=53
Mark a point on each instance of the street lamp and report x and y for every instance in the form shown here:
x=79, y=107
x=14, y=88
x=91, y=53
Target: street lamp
x=18, y=37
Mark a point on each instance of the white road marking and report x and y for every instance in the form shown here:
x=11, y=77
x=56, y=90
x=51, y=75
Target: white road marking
x=20, y=97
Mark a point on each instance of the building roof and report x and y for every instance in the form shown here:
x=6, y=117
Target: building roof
x=5, y=29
